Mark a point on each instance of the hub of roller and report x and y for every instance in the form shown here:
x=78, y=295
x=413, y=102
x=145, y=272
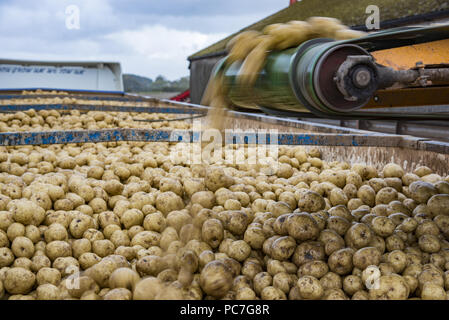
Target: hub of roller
x=317, y=72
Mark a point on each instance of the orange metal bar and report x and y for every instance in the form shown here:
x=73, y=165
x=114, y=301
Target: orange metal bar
x=401, y=58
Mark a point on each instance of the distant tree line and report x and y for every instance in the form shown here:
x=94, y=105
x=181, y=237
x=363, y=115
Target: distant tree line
x=134, y=83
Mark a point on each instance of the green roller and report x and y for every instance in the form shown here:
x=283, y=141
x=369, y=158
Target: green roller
x=297, y=80
x=327, y=78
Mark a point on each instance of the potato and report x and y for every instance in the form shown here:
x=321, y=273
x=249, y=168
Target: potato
x=311, y=202
x=212, y=232
x=216, y=279
x=421, y=191
x=429, y=243
x=310, y=288
x=383, y=226
x=6, y=219
x=367, y=194
x=6, y=257
x=439, y=204
x=302, y=226
x=341, y=261
x=338, y=224
x=432, y=291
x=315, y=269
x=27, y=212
x=167, y=202
x=88, y=259
x=368, y=256
x=358, y=236
x=56, y=249
x=386, y=195
x=283, y=248
x=48, y=275
x=254, y=236
x=19, y=281
x=393, y=170
x=47, y=292
x=352, y=284
x=308, y=251
x=391, y=287
x=81, y=246
x=239, y=250
x=147, y=239
x=216, y=178
x=118, y=294
x=103, y=248
x=22, y=247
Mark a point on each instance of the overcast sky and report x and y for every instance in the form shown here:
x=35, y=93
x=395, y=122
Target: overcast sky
x=149, y=37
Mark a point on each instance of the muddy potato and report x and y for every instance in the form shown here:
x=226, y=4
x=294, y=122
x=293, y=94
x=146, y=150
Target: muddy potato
x=212, y=232
x=131, y=218
x=216, y=178
x=55, y=232
x=150, y=265
x=352, y=284
x=383, y=226
x=48, y=275
x=282, y=248
x=245, y=293
x=118, y=294
x=429, y=243
x=302, y=226
x=19, y=281
x=386, y=195
x=358, y=236
x=391, y=287
x=367, y=195
x=261, y=281
x=22, y=247
x=103, y=248
x=315, y=269
x=365, y=257
x=27, y=212
x=47, y=292
x=421, y=191
x=239, y=250
x=39, y=261
x=432, y=291
x=124, y=278
x=311, y=202
x=341, y=261
x=439, y=204
x=236, y=222
x=272, y=293
x=308, y=251
x=81, y=246
x=169, y=201
x=393, y=170
x=338, y=224
x=76, y=288
x=56, y=249
x=6, y=257
x=88, y=259
x=310, y=288
x=254, y=236
x=216, y=279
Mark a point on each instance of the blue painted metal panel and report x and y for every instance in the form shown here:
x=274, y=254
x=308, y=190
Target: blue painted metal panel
x=169, y=109
x=110, y=135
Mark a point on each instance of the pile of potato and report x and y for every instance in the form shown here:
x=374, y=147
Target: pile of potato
x=52, y=120
x=121, y=221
